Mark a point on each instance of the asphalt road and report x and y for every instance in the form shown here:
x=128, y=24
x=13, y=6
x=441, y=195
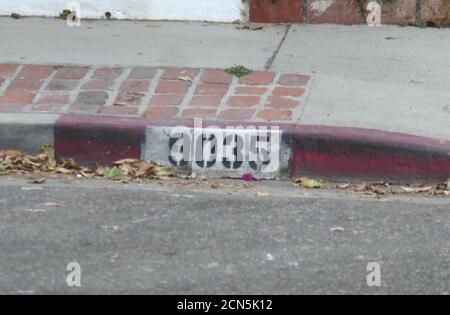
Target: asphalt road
x=180, y=238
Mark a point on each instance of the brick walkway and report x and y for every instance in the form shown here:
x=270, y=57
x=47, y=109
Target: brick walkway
x=153, y=93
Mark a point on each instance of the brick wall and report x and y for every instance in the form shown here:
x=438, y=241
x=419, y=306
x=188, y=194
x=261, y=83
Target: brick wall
x=433, y=12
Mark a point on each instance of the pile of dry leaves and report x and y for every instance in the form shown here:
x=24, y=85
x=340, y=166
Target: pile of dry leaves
x=13, y=161
x=380, y=188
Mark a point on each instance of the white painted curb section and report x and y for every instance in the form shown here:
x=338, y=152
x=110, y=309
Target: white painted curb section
x=219, y=151
x=193, y=10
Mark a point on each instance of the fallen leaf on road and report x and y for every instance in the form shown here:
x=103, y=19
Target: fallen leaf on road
x=114, y=172
x=51, y=204
x=337, y=229
x=37, y=180
x=31, y=188
x=262, y=194
x=62, y=170
x=35, y=210
x=417, y=189
x=306, y=182
x=343, y=186
x=361, y=187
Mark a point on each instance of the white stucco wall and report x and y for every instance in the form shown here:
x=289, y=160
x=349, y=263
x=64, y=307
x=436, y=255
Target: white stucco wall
x=197, y=10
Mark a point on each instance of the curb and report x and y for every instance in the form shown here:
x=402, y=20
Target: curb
x=321, y=151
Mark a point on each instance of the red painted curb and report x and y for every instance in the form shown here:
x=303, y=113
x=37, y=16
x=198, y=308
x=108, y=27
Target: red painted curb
x=366, y=153
x=98, y=139
x=315, y=150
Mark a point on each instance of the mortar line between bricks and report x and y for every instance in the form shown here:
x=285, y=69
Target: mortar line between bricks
x=265, y=97
x=230, y=92
x=190, y=93
x=74, y=94
x=39, y=92
x=7, y=82
x=272, y=58
x=150, y=92
x=115, y=89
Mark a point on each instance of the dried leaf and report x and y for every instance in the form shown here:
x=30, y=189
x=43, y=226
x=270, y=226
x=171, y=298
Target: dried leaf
x=100, y=170
x=70, y=164
x=163, y=171
x=417, y=189
x=49, y=153
x=62, y=170
x=127, y=161
x=51, y=204
x=337, y=229
x=37, y=180
x=26, y=188
x=361, y=187
x=251, y=27
x=35, y=210
x=306, y=182
x=262, y=194
x=11, y=154
x=188, y=79
x=343, y=186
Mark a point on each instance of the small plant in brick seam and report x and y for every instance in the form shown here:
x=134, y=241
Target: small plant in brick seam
x=421, y=24
x=238, y=71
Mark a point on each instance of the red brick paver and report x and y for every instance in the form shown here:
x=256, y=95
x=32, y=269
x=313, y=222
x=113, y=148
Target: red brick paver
x=141, y=73
x=107, y=73
x=161, y=112
x=31, y=78
x=119, y=110
x=243, y=101
x=258, y=78
x=251, y=90
x=71, y=73
x=7, y=71
x=199, y=113
x=179, y=93
x=206, y=100
x=167, y=100
x=237, y=114
x=98, y=85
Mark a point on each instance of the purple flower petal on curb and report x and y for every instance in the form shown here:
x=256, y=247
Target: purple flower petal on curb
x=248, y=177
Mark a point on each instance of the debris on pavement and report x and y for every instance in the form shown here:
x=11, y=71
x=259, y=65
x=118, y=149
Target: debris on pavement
x=64, y=14
x=250, y=26
x=16, y=16
x=25, y=188
x=14, y=161
x=248, y=177
x=337, y=229
x=306, y=182
x=186, y=79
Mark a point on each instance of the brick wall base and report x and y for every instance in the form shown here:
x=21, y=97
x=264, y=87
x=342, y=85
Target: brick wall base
x=405, y=12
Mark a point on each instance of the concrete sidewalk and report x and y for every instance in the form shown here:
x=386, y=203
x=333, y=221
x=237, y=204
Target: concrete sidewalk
x=389, y=78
